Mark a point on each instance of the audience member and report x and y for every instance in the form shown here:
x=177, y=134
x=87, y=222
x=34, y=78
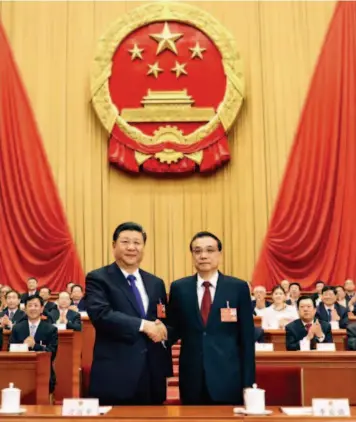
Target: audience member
x=12, y=313
x=294, y=294
x=318, y=289
x=285, y=286
x=69, y=287
x=307, y=327
x=45, y=293
x=260, y=302
x=63, y=315
x=32, y=284
x=4, y=289
x=349, y=286
x=329, y=310
x=341, y=297
x=279, y=314
x=78, y=303
x=351, y=336
x=37, y=334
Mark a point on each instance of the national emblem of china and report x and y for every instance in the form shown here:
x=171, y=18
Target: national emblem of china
x=167, y=84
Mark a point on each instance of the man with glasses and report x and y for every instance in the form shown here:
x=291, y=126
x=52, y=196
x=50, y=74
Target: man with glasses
x=125, y=304
x=211, y=313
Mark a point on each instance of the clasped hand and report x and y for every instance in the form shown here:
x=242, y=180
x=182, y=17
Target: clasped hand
x=155, y=330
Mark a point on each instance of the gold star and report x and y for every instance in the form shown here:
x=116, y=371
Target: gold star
x=179, y=69
x=166, y=40
x=197, y=51
x=136, y=52
x=154, y=69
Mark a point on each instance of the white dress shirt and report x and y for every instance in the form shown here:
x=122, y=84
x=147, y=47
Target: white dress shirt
x=271, y=317
x=201, y=289
x=36, y=324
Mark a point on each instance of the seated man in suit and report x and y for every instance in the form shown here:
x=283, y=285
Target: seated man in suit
x=3, y=291
x=351, y=336
x=78, y=303
x=64, y=315
x=319, y=285
x=307, y=327
x=69, y=287
x=294, y=294
x=45, y=293
x=12, y=314
x=350, y=288
x=37, y=334
x=32, y=284
x=329, y=310
x=260, y=303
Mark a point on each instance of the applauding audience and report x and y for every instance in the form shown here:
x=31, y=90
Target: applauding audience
x=319, y=285
x=307, y=327
x=32, y=284
x=260, y=303
x=330, y=311
x=279, y=314
x=349, y=286
x=77, y=294
x=351, y=336
x=63, y=315
x=11, y=313
x=294, y=294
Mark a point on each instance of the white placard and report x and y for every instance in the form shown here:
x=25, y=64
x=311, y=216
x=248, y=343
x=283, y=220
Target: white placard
x=335, y=325
x=304, y=345
x=61, y=326
x=264, y=347
x=297, y=411
x=331, y=407
x=18, y=347
x=80, y=407
x=325, y=347
x=83, y=314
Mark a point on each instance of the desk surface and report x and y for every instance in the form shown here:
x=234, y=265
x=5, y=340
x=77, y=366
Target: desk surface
x=162, y=413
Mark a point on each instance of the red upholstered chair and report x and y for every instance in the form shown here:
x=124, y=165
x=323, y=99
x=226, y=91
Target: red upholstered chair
x=283, y=385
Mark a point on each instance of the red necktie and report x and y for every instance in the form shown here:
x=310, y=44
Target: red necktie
x=206, y=302
x=308, y=327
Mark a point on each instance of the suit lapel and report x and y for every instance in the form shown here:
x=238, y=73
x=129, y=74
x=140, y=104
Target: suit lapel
x=322, y=311
x=39, y=336
x=118, y=279
x=220, y=298
x=192, y=299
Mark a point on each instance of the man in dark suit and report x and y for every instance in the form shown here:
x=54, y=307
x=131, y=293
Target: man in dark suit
x=12, y=314
x=37, y=334
x=260, y=303
x=319, y=285
x=307, y=327
x=32, y=284
x=351, y=336
x=77, y=298
x=63, y=315
x=45, y=293
x=211, y=313
x=294, y=294
x=329, y=310
x=350, y=289
x=131, y=362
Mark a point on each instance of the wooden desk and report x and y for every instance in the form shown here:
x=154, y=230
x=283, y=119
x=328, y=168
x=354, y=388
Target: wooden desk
x=257, y=320
x=66, y=364
x=29, y=372
x=165, y=414
x=88, y=342
x=325, y=374
x=277, y=337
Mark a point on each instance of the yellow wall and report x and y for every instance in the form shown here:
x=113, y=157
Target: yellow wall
x=54, y=43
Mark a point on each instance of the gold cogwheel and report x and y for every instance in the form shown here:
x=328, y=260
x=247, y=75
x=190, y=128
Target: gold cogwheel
x=168, y=134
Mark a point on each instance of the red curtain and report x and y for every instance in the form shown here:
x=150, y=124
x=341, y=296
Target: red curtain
x=34, y=234
x=312, y=233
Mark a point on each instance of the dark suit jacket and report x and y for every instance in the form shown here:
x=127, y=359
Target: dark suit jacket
x=253, y=304
x=259, y=335
x=50, y=306
x=222, y=352
x=18, y=316
x=24, y=297
x=295, y=332
x=351, y=336
x=46, y=333
x=322, y=314
x=121, y=351
x=81, y=305
x=74, y=321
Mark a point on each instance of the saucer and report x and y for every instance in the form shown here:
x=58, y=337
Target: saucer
x=12, y=412
x=246, y=412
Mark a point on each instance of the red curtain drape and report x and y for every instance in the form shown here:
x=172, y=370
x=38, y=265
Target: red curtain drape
x=34, y=235
x=312, y=233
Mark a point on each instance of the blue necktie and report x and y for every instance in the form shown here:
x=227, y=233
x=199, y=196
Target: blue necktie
x=132, y=280
x=329, y=314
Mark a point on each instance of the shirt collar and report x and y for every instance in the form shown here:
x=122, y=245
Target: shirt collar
x=213, y=280
x=35, y=324
x=135, y=273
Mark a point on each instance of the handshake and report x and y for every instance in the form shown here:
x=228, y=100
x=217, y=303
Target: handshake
x=155, y=330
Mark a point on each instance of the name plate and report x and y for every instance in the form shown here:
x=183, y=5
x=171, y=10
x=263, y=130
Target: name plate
x=80, y=407
x=331, y=407
x=61, y=326
x=18, y=347
x=335, y=325
x=83, y=314
x=264, y=347
x=326, y=347
x=304, y=345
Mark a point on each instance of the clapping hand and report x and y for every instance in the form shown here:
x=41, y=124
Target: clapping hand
x=334, y=316
x=6, y=323
x=317, y=330
x=30, y=341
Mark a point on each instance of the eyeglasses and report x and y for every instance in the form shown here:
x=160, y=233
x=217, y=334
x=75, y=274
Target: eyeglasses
x=208, y=251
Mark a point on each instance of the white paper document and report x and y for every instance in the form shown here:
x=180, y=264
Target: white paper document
x=297, y=411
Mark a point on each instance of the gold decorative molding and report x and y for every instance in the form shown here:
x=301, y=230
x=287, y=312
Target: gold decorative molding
x=158, y=12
